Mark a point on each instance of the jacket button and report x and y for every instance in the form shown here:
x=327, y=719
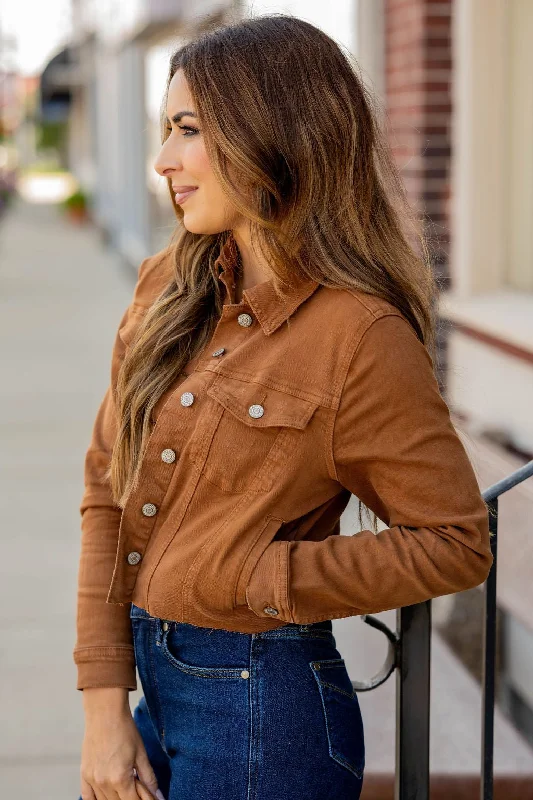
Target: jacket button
x=134, y=558
x=245, y=674
x=219, y=351
x=168, y=456
x=271, y=611
x=187, y=399
x=165, y=626
x=149, y=509
x=245, y=320
x=256, y=411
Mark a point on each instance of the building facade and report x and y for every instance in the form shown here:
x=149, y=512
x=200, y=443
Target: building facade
x=454, y=75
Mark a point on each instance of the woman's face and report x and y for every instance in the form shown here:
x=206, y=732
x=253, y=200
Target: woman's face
x=184, y=160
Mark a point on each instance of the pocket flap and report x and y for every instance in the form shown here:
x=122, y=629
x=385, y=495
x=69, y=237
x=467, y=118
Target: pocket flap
x=280, y=408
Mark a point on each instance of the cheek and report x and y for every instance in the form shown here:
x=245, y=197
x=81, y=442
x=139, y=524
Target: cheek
x=197, y=162
x=212, y=194
x=211, y=212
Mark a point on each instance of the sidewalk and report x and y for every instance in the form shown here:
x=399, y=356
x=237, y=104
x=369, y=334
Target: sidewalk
x=61, y=297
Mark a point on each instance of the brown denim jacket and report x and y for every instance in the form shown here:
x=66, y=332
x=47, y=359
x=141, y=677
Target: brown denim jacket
x=254, y=455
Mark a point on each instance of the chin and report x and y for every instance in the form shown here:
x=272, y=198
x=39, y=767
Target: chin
x=200, y=226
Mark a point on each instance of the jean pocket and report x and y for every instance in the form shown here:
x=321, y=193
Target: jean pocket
x=171, y=647
x=342, y=715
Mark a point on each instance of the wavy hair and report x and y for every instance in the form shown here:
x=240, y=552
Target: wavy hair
x=294, y=138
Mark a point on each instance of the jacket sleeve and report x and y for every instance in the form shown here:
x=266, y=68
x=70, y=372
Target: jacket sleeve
x=103, y=651
x=393, y=445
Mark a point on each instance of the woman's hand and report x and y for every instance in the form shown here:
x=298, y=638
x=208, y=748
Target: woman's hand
x=112, y=748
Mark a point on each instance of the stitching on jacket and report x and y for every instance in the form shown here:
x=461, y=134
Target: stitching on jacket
x=189, y=576
x=360, y=296
x=321, y=401
x=286, y=603
x=88, y=654
x=375, y=318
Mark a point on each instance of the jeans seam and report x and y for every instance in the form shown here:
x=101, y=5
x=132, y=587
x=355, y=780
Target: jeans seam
x=338, y=757
x=156, y=630
x=255, y=722
x=251, y=685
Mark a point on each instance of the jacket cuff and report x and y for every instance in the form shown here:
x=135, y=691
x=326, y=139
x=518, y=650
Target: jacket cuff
x=268, y=584
x=98, y=670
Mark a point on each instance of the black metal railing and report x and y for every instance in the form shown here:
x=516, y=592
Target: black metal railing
x=409, y=654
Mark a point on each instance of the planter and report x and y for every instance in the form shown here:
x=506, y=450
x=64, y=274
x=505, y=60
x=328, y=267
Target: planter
x=77, y=214
x=77, y=207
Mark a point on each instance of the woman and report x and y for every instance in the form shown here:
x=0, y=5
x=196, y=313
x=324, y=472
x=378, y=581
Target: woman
x=275, y=359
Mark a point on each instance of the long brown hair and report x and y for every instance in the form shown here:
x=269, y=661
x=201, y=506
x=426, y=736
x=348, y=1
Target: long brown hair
x=293, y=136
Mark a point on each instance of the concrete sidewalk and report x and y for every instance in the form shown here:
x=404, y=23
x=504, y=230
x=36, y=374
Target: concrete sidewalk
x=62, y=295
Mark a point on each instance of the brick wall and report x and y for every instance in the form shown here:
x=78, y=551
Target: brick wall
x=418, y=97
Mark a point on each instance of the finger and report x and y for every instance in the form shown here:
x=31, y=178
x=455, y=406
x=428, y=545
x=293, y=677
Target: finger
x=113, y=790
x=99, y=793
x=86, y=791
x=134, y=791
x=91, y=791
x=146, y=772
x=142, y=791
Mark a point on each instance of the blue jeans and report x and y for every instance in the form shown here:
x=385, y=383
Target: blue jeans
x=237, y=716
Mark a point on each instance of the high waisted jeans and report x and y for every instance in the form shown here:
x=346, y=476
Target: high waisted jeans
x=247, y=716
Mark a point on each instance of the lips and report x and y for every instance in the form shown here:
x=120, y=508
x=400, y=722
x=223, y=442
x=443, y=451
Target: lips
x=181, y=193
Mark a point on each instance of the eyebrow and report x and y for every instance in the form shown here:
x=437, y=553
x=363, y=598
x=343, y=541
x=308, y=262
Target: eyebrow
x=177, y=117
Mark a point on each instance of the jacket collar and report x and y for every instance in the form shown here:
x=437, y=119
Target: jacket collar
x=269, y=309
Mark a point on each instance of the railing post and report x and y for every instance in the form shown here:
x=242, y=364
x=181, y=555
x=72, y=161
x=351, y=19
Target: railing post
x=489, y=663
x=412, y=702
x=410, y=654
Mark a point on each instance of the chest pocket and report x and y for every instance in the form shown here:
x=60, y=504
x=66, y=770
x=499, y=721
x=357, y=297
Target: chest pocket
x=258, y=428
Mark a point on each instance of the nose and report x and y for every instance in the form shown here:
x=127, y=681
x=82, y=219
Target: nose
x=167, y=161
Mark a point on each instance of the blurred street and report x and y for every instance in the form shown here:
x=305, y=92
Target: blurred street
x=58, y=326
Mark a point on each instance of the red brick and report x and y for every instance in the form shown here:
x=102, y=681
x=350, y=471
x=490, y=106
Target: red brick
x=418, y=79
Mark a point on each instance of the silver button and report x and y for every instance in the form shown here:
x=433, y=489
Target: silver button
x=271, y=611
x=219, y=351
x=134, y=558
x=187, y=399
x=256, y=411
x=165, y=626
x=245, y=320
x=168, y=456
x=245, y=674
x=149, y=509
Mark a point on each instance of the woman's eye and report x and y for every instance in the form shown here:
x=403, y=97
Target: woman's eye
x=189, y=128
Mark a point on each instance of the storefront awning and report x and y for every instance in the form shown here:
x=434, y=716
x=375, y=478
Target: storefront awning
x=58, y=80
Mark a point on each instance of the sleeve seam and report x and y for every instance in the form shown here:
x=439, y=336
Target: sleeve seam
x=117, y=652
x=104, y=647
x=331, y=440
